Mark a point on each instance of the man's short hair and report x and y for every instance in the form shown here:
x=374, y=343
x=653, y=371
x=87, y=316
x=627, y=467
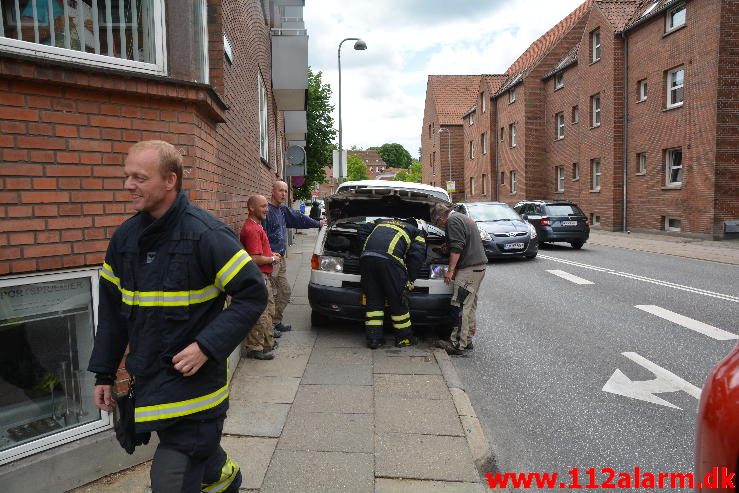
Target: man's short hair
x=170, y=159
x=439, y=211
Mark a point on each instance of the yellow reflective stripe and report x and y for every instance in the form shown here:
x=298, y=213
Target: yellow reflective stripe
x=181, y=408
x=400, y=318
x=403, y=325
x=107, y=273
x=228, y=474
x=373, y=322
x=232, y=267
x=398, y=229
x=169, y=298
x=378, y=313
x=420, y=239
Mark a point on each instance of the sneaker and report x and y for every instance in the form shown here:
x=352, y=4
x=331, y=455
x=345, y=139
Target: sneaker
x=470, y=346
x=450, y=348
x=260, y=355
x=407, y=341
x=283, y=328
x=276, y=334
x=375, y=343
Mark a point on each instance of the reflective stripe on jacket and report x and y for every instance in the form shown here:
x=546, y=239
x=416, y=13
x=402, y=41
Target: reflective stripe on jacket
x=399, y=241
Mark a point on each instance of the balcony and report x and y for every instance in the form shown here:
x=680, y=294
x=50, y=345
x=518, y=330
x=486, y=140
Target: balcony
x=290, y=68
x=296, y=125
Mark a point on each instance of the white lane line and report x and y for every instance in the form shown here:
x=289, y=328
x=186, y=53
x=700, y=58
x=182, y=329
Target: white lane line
x=636, y=277
x=689, y=323
x=569, y=277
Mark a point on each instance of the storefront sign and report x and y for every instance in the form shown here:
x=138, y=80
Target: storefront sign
x=27, y=300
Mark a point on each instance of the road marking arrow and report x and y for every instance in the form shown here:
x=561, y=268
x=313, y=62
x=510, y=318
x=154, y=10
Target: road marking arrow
x=569, y=277
x=666, y=381
x=689, y=323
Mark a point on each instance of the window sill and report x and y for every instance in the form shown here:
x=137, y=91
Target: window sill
x=559, y=192
x=674, y=29
x=594, y=127
x=576, y=179
x=594, y=62
x=512, y=193
x=673, y=107
x=641, y=174
x=673, y=187
x=265, y=162
x=559, y=138
x=595, y=191
x=640, y=100
x=558, y=88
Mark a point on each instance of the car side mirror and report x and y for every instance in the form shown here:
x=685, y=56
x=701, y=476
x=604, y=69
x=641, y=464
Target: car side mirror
x=525, y=217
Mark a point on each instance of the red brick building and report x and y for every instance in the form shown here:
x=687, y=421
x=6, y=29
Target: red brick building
x=75, y=94
x=627, y=108
x=448, y=97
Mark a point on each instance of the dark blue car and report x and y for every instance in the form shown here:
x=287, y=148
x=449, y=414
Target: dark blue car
x=504, y=233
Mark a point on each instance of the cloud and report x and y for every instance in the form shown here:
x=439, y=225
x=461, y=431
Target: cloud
x=383, y=88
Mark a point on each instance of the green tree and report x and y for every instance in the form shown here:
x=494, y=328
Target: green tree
x=413, y=174
x=394, y=155
x=355, y=168
x=321, y=133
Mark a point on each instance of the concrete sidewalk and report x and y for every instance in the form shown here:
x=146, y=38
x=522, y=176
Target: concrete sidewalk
x=329, y=415
x=725, y=251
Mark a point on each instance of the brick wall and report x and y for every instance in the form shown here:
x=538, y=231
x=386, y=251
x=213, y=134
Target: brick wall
x=511, y=158
x=482, y=164
x=429, y=142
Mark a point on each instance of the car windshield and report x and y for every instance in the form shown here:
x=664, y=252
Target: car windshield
x=492, y=212
x=564, y=210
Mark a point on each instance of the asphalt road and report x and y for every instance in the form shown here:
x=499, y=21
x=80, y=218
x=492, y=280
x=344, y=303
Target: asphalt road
x=546, y=347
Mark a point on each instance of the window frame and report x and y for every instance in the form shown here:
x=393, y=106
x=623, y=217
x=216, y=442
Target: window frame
x=575, y=114
x=484, y=184
x=669, y=27
x=512, y=182
x=502, y=177
x=472, y=149
x=595, y=119
x=575, y=171
x=263, y=118
x=669, y=167
x=642, y=90
x=512, y=95
x=42, y=51
x=594, y=219
x=595, y=45
x=484, y=143
x=673, y=229
x=669, y=89
x=471, y=118
x=641, y=163
x=559, y=179
x=559, y=80
x=595, y=175
x=472, y=185
x=559, y=126
x=483, y=103
x=512, y=135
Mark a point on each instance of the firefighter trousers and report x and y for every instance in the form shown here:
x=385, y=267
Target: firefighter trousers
x=383, y=280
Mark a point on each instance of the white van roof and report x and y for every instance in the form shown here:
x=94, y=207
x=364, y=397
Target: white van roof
x=399, y=185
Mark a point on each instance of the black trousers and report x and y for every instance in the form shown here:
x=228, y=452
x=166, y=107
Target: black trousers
x=383, y=280
x=190, y=459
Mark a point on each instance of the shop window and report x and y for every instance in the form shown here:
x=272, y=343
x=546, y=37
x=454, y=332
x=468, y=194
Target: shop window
x=46, y=338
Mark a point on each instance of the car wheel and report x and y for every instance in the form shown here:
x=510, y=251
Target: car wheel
x=318, y=319
x=577, y=244
x=531, y=257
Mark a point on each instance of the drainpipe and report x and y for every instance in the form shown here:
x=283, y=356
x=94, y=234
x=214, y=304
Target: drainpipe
x=494, y=134
x=626, y=123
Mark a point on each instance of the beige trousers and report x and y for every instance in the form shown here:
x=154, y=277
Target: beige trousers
x=260, y=336
x=281, y=289
x=464, y=297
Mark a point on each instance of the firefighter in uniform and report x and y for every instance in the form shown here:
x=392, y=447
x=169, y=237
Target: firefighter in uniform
x=392, y=255
x=165, y=279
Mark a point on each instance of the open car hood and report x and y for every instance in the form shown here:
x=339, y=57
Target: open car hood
x=384, y=201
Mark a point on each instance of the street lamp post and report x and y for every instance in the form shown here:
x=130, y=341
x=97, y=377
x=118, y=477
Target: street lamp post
x=358, y=45
x=448, y=151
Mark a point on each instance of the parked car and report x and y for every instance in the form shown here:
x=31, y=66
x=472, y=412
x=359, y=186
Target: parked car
x=334, y=290
x=556, y=221
x=717, y=430
x=504, y=233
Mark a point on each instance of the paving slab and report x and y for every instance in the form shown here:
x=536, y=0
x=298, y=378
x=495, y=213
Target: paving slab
x=422, y=416
x=297, y=316
x=341, y=356
x=411, y=365
x=334, y=399
x=305, y=338
x=443, y=458
x=294, y=471
x=328, y=432
x=386, y=485
x=133, y=480
x=287, y=363
x=252, y=455
x=411, y=386
x=279, y=390
x=350, y=374
x=257, y=419
x=341, y=338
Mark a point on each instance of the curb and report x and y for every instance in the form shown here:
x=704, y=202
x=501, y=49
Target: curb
x=482, y=453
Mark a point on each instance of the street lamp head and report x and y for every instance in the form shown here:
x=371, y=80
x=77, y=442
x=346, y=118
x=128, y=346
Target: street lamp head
x=360, y=45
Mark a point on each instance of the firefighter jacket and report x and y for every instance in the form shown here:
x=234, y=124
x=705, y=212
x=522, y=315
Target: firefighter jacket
x=396, y=240
x=163, y=286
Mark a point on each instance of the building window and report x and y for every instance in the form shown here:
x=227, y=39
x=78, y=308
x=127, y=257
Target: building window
x=512, y=134
x=513, y=182
x=559, y=126
x=483, y=103
x=559, y=178
x=641, y=163
x=502, y=177
x=675, y=87
x=641, y=90
x=674, y=167
x=594, y=219
x=559, y=80
x=124, y=34
x=484, y=184
x=429, y=130
x=471, y=119
x=484, y=142
x=575, y=171
x=595, y=175
x=472, y=185
x=675, y=18
x=46, y=335
x=511, y=94
x=433, y=163
x=472, y=149
x=595, y=46
x=263, y=126
x=575, y=114
x=502, y=134
x=673, y=224
x=595, y=110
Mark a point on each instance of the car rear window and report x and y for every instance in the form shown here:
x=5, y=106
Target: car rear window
x=564, y=210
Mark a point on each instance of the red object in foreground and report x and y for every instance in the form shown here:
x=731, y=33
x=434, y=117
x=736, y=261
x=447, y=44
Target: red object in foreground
x=717, y=436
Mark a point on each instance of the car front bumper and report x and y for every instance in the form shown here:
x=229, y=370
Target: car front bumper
x=495, y=249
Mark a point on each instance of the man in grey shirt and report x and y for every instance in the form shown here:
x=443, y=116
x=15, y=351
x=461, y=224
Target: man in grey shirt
x=467, y=261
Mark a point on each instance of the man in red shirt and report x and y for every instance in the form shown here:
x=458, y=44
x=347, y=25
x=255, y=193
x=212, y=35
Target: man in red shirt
x=260, y=341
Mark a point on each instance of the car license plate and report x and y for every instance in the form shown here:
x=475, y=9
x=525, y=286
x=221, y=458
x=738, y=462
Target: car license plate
x=569, y=223
x=513, y=246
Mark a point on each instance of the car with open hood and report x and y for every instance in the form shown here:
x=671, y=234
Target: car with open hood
x=504, y=233
x=334, y=290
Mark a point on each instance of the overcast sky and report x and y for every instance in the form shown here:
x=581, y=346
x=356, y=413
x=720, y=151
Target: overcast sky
x=384, y=87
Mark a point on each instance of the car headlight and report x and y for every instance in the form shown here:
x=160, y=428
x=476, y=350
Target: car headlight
x=484, y=235
x=533, y=231
x=437, y=271
x=331, y=264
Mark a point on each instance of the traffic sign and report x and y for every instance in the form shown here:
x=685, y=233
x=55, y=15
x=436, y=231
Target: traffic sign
x=451, y=186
